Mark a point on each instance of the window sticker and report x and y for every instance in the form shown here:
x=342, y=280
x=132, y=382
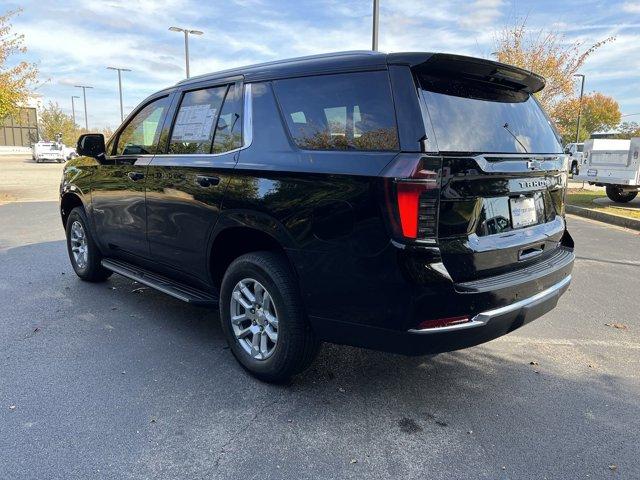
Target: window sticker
x=194, y=123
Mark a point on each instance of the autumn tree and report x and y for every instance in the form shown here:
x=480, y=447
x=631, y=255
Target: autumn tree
x=547, y=53
x=599, y=112
x=628, y=130
x=54, y=121
x=16, y=77
x=107, y=132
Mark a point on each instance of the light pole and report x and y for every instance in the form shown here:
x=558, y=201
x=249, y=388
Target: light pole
x=73, y=109
x=84, y=96
x=579, y=105
x=186, y=32
x=120, y=87
x=376, y=20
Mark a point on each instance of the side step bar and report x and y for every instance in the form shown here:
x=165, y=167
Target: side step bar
x=178, y=290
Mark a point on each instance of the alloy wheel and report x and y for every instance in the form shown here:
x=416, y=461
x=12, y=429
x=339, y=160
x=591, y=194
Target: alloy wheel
x=79, y=246
x=254, y=318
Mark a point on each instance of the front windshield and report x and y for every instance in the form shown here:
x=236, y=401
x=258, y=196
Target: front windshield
x=465, y=121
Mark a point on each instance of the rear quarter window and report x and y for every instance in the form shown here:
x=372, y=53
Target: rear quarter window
x=352, y=111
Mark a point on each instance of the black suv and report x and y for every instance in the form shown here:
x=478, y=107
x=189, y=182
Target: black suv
x=406, y=202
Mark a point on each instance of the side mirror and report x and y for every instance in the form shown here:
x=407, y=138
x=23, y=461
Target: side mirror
x=91, y=145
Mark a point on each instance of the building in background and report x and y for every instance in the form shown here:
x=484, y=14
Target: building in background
x=19, y=132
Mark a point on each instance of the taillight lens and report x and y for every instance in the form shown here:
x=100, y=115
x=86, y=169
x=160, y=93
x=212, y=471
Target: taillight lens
x=412, y=195
x=409, y=207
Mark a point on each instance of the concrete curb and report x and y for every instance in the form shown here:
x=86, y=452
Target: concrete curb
x=625, y=222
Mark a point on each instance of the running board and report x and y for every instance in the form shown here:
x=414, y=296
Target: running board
x=178, y=290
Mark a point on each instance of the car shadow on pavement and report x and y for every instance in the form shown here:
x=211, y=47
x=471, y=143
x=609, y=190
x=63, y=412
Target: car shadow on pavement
x=74, y=349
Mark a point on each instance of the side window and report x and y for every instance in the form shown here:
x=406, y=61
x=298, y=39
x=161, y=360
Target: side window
x=193, y=128
x=352, y=111
x=140, y=136
x=229, y=128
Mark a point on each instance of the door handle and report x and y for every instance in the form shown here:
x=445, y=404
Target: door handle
x=207, y=181
x=135, y=176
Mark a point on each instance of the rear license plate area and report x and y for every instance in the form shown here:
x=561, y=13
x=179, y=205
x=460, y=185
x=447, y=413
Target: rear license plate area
x=523, y=212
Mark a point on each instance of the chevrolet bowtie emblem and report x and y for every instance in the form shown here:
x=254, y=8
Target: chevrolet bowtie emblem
x=534, y=165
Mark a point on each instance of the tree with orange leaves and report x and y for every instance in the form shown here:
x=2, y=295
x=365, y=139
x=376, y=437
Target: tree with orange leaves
x=16, y=78
x=547, y=53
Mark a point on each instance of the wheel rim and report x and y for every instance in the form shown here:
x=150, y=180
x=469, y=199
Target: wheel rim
x=254, y=318
x=79, y=247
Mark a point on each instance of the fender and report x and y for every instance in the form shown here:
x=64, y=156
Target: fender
x=253, y=219
x=248, y=219
x=76, y=180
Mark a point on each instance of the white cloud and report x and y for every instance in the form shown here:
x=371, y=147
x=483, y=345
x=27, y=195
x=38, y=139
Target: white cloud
x=631, y=7
x=482, y=13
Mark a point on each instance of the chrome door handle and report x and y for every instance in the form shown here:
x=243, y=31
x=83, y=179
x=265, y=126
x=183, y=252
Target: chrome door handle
x=207, y=181
x=135, y=176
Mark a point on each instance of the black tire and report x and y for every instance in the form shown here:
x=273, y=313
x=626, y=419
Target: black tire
x=574, y=168
x=92, y=270
x=296, y=346
x=616, y=194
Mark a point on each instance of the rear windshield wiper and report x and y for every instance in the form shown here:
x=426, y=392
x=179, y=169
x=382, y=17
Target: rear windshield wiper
x=506, y=127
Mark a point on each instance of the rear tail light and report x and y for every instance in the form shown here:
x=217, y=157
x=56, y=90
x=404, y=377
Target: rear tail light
x=412, y=195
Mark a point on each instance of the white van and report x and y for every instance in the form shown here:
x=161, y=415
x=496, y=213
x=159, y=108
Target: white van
x=613, y=164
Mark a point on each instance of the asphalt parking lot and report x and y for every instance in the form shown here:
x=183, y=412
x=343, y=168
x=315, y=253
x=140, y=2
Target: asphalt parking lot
x=112, y=381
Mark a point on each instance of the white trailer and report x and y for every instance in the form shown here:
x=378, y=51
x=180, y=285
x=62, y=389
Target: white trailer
x=614, y=164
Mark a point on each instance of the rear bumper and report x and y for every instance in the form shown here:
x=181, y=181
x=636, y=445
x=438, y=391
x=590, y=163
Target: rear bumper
x=484, y=326
x=494, y=307
x=514, y=315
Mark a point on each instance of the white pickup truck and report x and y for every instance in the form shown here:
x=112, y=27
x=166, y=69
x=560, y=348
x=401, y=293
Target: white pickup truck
x=614, y=164
x=56, y=151
x=574, y=150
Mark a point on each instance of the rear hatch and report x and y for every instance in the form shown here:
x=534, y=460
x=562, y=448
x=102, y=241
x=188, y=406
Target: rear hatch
x=503, y=175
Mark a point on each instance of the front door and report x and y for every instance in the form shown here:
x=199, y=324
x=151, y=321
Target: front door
x=186, y=185
x=118, y=187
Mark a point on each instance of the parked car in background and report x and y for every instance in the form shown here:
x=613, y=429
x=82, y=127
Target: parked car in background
x=574, y=150
x=69, y=152
x=48, y=151
x=405, y=202
x=613, y=164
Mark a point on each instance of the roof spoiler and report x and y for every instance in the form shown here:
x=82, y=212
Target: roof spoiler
x=471, y=68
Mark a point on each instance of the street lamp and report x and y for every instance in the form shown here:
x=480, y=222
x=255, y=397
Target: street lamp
x=186, y=32
x=376, y=21
x=579, y=105
x=120, y=87
x=73, y=109
x=84, y=96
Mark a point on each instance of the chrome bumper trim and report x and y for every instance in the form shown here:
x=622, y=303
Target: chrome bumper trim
x=485, y=317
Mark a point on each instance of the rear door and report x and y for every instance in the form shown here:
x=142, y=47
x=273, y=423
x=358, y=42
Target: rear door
x=186, y=184
x=118, y=185
x=503, y=175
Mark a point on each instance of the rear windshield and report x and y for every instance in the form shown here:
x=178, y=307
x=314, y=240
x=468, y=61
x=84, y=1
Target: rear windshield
x=483, y=119
x=351, y=111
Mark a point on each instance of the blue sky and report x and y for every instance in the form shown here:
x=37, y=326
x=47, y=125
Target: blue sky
x=74, y=40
